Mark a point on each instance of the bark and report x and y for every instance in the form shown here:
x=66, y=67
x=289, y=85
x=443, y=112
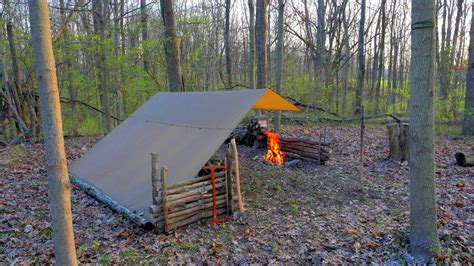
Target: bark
x=228, y=63
x=17, y=91
x=279, y=59
x=468, y=124
x=261, y=25
x=423, y=235
x=321, y=39
x=251, y=60
x=172, y=47
x=100, y=21
x=68, y=65
x=382, y=55
x=456, y=30
x=347, y=56
x=144, y=26
x=361, y=60
x=56, y=164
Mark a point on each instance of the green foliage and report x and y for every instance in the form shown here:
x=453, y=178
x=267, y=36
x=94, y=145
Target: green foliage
x=294, y=207
x=14, y=156
x=80, y=250
x=46, y=233
x=128, y=255
x=105, y=260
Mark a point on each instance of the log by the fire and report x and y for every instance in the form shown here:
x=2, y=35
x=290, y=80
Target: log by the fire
x=305, y=149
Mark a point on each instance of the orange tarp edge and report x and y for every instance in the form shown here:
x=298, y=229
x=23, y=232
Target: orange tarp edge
x=270, y=100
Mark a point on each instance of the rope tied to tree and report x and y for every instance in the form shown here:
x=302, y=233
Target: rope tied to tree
x=424, y=24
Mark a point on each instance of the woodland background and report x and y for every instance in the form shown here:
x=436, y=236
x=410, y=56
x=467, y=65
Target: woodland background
x=110, y=57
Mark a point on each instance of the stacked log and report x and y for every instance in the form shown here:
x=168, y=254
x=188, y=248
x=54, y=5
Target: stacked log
x=251, y=134
x=305, y=149
x=190, y=201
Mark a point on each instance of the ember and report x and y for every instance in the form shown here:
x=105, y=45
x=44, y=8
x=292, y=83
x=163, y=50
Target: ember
x=274, y=153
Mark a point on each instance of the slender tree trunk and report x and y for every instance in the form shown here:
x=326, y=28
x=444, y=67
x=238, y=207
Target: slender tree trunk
x=456, y=30
x=144, y=25
x=382, y=56
x=423, y=235
x=347, y=56
x=68, y=65
x=172, y=45
x=228, y=63
x=361, y=60
x=261, y=27
x=468, y=125
x=279, y=58
x=321, y=39
x=56, y=164
x=100, y=8
x=251, y=56
x=17, y=91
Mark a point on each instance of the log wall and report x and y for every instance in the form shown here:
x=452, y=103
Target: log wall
x=178, y=205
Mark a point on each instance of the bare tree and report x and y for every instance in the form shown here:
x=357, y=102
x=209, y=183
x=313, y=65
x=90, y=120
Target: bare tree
x=423, y=235
x=251, y=55
x=172, y=47
x=261, y=26
x=468, y=125
x=228, y=62
x=279, y=58
x=360, y=59
x=56, y=164
x=144, y=25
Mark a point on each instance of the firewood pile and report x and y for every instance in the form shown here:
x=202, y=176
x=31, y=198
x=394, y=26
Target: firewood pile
x=182, y=204
x=301, y=148
x=305, y=149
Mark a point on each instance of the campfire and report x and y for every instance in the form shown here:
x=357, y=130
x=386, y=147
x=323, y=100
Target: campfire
x=274, y=153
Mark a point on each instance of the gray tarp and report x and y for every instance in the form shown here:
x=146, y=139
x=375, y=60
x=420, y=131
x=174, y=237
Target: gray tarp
x=184, y=129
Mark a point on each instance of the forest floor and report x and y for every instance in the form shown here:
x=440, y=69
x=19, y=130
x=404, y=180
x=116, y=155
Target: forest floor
x=297, y=215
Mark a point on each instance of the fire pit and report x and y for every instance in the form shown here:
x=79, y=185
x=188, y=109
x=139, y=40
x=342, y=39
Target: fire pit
x=282, y=150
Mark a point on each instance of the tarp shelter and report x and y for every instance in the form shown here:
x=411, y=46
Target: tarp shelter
x=185, y=129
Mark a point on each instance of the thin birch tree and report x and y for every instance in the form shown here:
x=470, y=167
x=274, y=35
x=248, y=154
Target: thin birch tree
x=56, y=164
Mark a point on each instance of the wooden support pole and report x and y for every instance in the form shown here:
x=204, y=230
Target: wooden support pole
x=237, y=174
x=229, y=182
x=154, y=177
x=361, y=155
x=164, y=177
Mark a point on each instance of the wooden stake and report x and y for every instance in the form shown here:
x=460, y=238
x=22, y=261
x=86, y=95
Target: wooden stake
x=164, y=177
x=237, y=174
x=154, y=177
x=361, y=159
x=229, y=182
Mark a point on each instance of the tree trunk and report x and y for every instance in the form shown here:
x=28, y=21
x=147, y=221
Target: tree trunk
x=228, y=65
x=56, y=164
x=100, y=8
x=279, y=59
x=17, y=91
x=382, y=55
x=172, y=47
x=468, y=125
x=144, y=26
x=251, y=61
x=321, y=39
x=360, y=59
x=261, y=26
x=423, y=235
x=347, y=56
x=68, y=65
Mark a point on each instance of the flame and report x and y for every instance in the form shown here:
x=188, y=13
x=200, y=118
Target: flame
x=274, y=153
